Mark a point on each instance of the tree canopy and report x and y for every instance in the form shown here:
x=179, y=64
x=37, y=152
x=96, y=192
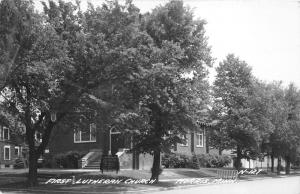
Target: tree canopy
x=255, y=118
x=232, y=93
x=65, y=62
x=166, y=103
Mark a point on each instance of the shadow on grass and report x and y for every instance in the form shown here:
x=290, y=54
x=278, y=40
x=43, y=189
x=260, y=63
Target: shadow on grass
x=80, y=188
x=43, y=177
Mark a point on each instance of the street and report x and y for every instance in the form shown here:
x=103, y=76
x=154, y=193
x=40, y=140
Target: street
x=287, y=185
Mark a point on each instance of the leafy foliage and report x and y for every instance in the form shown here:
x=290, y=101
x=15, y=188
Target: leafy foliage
x=163, y=102
x=68, y=160
x=205, y=160
x=108, y=62
x=257, y=117
x=233, y=89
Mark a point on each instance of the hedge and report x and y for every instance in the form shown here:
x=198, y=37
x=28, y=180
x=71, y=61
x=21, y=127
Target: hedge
x=68, y=160
x=205, y=160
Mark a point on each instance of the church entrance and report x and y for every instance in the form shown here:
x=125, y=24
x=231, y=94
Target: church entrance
x=117, y=142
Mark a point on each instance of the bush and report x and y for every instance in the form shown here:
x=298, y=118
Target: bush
x=280, y=168
x=183, y=161
x=295, y=167
x=193, y=163
x=170, y=161
x=223, y=160
x=48, y=161
x=19, y=164
x=213, y=161
x=175, y=161
x=68, y=160
x=205, y=160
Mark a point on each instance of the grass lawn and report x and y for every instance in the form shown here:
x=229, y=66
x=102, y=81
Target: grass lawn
x=135, y=174
x=15, y=180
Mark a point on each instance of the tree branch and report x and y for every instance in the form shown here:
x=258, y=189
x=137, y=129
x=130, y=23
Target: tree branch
x=40, y=119
x=12, y=63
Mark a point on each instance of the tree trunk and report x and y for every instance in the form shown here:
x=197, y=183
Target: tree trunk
x=238, y=157
x=32, y=175
x=287, y=165
x=249, y=160
x=156, y=170
x=279, y=165
x=220, y=151
x=207, y=141
x=272, y=163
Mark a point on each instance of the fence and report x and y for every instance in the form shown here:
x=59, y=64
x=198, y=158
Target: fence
x=227, y=174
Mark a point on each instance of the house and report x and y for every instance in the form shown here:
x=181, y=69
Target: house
x=11, y=147
x=94, y=141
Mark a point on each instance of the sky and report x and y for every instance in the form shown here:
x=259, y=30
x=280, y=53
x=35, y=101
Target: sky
x=264, y=33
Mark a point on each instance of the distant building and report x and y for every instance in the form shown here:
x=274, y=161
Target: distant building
x=11, y=147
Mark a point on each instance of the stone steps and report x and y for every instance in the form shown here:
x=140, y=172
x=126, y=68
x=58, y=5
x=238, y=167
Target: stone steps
x=93, y=165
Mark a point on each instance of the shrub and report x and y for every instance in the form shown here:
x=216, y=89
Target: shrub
x=19, y=164
x=226, y=160
x=193, y=163
x=175, y=160
x=295, y=167
x=170, y=161
x=280, y=167
x=183, y=161
x=48, y=161
x=218, y=161
x=68, y=160
x=204, y=160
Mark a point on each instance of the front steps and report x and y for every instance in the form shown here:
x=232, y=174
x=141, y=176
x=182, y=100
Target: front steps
x=93, y=165
x=92, y=159
x=125, y=159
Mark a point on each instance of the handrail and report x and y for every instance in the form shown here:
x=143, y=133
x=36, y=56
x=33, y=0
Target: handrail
x=89, y=157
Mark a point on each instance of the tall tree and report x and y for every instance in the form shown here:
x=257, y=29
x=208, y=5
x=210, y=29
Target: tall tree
x=275, y=112
x=290, y=134
x=283, y=115
x=57, y=67
x=39, y=69
x=168, y=102
x=232, y=90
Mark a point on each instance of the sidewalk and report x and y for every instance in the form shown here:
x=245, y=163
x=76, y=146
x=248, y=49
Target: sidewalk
x=268, y=175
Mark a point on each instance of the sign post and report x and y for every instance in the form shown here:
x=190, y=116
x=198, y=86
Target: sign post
x=110, y=163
